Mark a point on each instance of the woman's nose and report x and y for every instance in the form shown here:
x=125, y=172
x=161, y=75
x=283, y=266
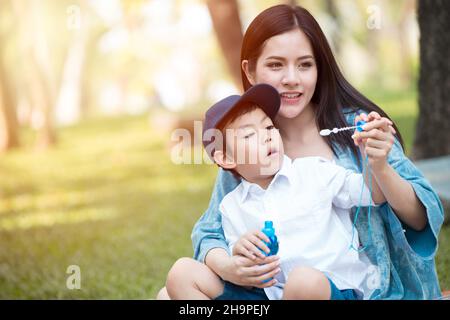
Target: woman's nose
x=291, y=77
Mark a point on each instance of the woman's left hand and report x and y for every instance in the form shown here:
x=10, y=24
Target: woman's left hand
x=376, y=140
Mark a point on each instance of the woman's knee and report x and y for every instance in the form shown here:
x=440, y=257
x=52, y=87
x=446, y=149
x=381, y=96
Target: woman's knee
x=180, y=273
x=307, y=283
x=162, y=294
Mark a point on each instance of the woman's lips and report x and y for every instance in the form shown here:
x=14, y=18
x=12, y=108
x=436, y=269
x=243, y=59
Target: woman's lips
x=291, y=98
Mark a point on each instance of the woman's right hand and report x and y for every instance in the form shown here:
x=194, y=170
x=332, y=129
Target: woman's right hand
x=243, y=271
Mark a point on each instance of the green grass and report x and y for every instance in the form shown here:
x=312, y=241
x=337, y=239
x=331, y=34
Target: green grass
x=109, y=200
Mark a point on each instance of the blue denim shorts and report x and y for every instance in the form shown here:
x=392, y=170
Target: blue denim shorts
x=235, y=292
x=336, y=294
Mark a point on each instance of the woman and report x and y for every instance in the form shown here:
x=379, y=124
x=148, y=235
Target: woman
x=285, y=47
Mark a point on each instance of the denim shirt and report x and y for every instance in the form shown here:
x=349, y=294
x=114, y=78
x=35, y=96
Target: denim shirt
x=404, y=257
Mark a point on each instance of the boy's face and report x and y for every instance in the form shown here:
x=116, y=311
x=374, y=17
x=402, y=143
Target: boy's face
x=253, y=146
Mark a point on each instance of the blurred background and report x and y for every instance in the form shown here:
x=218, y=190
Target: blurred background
x=92, y=90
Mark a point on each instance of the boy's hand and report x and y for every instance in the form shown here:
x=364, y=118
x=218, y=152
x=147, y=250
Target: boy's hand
x=376, y=140
x=249, y=245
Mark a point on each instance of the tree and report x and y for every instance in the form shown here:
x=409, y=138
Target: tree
x=228, y=27
x=8, y=121
x=39, y=79
x=432, y=135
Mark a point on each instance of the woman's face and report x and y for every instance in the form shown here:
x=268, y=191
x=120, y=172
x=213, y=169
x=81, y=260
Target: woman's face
x=287, y=63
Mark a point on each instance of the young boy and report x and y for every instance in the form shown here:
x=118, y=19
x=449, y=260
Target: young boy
x=299, y=196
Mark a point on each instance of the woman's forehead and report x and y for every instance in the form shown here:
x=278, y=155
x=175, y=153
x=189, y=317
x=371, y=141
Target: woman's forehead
x=290, y=44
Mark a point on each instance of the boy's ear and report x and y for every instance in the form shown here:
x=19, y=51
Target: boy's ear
x=247, y=72
x=223, y=160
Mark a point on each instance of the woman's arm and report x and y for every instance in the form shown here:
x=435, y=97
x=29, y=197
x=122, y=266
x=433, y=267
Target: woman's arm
x=378, y=140
x=208, y=231
x=211, y=247
x=243, y=271
x=401, y=197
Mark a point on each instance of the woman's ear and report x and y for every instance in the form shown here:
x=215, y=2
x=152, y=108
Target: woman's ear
x=247, y=72
x=223, y=160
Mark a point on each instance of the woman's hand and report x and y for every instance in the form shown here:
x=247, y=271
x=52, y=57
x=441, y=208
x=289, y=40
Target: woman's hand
x=250, y=245
x=254, y=273
x=243, y=271
x=376, y=140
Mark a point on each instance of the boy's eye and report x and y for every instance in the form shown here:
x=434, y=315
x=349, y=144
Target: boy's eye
x=270, y=127
x=249, y=135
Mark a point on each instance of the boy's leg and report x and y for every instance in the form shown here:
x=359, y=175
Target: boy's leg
x=190, y=279
x=305, y=283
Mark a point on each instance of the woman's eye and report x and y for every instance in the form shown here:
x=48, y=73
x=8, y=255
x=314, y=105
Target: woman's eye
x=274, y=65
x=305, y=65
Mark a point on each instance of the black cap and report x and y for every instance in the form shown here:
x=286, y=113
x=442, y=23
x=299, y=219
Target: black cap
x=263, y=95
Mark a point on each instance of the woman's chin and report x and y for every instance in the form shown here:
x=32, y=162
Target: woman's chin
x=290, y=111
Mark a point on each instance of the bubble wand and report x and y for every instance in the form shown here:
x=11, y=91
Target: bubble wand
x=327, y=132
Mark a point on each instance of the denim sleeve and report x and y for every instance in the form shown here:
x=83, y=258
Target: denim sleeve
x=208, y=232
x=423, y=243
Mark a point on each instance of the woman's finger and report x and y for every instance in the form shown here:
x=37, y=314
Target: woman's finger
x=363, y=117
x=376, y=153
x=267, y=284
x=392, y=130
x=382, y=123
x=374, y=133
x=263, y=278
x=258, y=270
x=373, y=115
x=379, y=144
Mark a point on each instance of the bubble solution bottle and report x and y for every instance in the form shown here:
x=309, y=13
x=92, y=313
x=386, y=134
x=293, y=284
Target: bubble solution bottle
x=269, y=231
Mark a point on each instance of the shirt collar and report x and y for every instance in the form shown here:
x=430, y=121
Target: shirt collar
x=283, y=174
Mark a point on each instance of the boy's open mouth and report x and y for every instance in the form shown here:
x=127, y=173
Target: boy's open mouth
x=272, y=152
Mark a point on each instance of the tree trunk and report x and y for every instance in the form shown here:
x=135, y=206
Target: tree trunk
x=335, y=33
x=433, y=126
x=8, y=121
x=227, y=24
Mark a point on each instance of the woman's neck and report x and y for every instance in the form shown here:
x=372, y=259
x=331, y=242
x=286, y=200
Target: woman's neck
x=301, y=136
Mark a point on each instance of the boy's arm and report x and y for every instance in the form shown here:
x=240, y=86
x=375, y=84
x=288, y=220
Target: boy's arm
x=348, y=188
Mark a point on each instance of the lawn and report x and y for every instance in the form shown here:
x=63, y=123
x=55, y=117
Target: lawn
x=109, y=200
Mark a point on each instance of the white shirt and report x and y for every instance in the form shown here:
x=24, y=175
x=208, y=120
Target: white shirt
x=302, y=200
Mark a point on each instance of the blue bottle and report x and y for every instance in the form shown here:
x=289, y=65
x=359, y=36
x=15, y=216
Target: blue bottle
x=269, y=231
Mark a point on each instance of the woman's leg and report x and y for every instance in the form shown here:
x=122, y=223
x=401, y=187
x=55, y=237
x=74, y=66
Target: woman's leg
x=190, y=279
x=162, y=294
x=305, y=283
